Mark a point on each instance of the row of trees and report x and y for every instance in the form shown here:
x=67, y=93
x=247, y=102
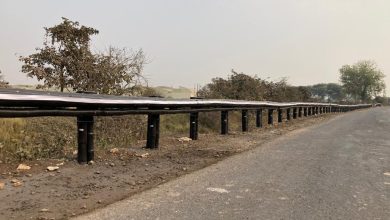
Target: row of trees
x=66, y=62
x=245, y=87
x=361, y=82
x=325, y=92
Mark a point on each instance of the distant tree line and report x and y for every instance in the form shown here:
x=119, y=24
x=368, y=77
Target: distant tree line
x=327, y=92
x=246, y=87
x=66, y=62
x=361, y=82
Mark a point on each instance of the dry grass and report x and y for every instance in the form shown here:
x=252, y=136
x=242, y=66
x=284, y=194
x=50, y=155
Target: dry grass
x=55, y=137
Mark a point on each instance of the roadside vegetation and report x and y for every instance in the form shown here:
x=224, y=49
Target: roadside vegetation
x=3, y=83
x=66, y=63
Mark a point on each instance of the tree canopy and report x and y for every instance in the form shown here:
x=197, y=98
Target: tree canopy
x=332, y=92
x=66, y=62
x=362, y=80
x=245, y=87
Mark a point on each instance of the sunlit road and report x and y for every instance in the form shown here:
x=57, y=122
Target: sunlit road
x=336, y=170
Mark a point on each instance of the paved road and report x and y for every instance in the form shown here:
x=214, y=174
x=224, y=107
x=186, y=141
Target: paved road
x=335, y=170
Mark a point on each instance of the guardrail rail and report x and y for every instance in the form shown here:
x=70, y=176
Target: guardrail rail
x=84, y=106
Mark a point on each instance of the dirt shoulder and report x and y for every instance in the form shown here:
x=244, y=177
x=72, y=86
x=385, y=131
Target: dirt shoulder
x=75, y=189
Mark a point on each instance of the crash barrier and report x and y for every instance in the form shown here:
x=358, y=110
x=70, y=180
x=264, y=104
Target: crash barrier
x=86, y=106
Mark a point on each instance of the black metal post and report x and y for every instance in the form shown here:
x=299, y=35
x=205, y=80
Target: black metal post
x=295, y=113
x=82, y=139
x=153, y=132
x=280, y=115
x=270, y=116
x=244, y=120
x=305, y=111
x=224, y=122
x=259, y=118
x=300, y=112
x=288, y=114
x=194, y=125
x=90, y=137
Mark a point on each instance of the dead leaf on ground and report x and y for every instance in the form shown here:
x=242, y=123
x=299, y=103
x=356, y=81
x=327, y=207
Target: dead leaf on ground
x=2, y=185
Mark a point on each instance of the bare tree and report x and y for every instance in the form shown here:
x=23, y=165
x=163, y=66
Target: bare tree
x=66, y=62
x=119, y=71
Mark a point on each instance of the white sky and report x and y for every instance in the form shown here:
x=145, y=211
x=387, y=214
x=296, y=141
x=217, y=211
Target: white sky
x=192, y=41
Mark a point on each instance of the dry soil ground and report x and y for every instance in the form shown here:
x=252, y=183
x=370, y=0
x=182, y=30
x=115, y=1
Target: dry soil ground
x=75, y=189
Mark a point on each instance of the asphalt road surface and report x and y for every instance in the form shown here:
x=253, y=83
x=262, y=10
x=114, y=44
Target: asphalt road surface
x=339, y=169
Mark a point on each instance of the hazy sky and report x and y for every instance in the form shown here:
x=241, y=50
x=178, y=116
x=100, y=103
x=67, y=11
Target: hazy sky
x=189, y=42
